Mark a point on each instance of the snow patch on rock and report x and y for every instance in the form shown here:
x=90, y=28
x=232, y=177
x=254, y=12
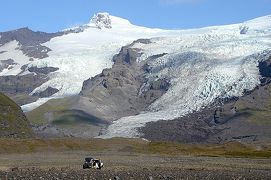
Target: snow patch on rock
x=12, y=51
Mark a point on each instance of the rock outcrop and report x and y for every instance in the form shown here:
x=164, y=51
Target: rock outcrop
x=6, y=64
x=20, y=87
x=30, y=41
x=120, y=91
x=43, y=70
x=102, y=20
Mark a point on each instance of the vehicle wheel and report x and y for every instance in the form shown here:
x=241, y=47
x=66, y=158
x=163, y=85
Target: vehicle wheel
x=85, y=166
x=99, y=166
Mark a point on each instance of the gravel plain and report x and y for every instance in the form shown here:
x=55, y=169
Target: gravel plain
x=68, y=165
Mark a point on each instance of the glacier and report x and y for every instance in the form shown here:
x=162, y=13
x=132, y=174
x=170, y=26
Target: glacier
x=203, y=66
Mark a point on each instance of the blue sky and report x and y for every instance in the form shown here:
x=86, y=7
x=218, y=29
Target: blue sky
x=54, y=15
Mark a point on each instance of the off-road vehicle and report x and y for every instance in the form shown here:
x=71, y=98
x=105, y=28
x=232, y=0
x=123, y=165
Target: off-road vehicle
x=92, y=163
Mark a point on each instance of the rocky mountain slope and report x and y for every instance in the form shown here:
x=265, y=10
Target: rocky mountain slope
x=30, y=41
x=13, y=122
x=109, y=96
x=59, y=58
x=18, y=48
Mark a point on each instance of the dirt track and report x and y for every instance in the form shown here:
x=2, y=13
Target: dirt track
x=68, y=165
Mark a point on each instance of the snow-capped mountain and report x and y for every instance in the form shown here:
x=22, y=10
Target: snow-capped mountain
x=81, y=54
x=201, y=65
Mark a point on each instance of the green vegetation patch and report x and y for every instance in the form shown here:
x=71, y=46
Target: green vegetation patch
x=73, y=117
x=249, y=154
x=48, y=111
x=13, y=122
x=133, y=146
x=5, y=101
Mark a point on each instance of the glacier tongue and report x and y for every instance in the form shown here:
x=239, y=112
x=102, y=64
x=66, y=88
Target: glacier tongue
x=203, y=65
x=194, y=86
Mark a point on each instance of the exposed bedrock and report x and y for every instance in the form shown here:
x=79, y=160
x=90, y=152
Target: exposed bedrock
x=116, y=92
x=19, y=87
x=265, y=71
x=30, y=41
x=6, y=64
x=43, y=70
x=46, y=93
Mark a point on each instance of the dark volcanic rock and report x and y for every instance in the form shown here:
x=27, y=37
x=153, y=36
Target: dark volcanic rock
x=43, y=70
x=19, y=87
x=128, y=54
x=47, y=92
x=116, y=88
x=16, y=84
x=30, y=41
x=193, y=128
x=26, y=36
x=6, y=63
x=265, y=71
x=121, y=89
x=265, y=68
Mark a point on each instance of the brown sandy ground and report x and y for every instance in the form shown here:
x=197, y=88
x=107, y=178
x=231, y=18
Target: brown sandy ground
x=130, y=159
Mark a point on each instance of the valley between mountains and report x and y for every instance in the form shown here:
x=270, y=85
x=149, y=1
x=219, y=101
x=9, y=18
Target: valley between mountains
x=149, y=103
x=110, y=78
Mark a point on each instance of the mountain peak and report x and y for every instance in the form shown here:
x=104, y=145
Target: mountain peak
x=102, y=20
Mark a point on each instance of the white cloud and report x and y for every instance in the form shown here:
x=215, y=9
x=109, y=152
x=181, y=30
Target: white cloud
x=171, y=2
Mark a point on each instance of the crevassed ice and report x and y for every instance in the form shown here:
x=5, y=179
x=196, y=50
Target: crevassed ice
x=196, y=87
